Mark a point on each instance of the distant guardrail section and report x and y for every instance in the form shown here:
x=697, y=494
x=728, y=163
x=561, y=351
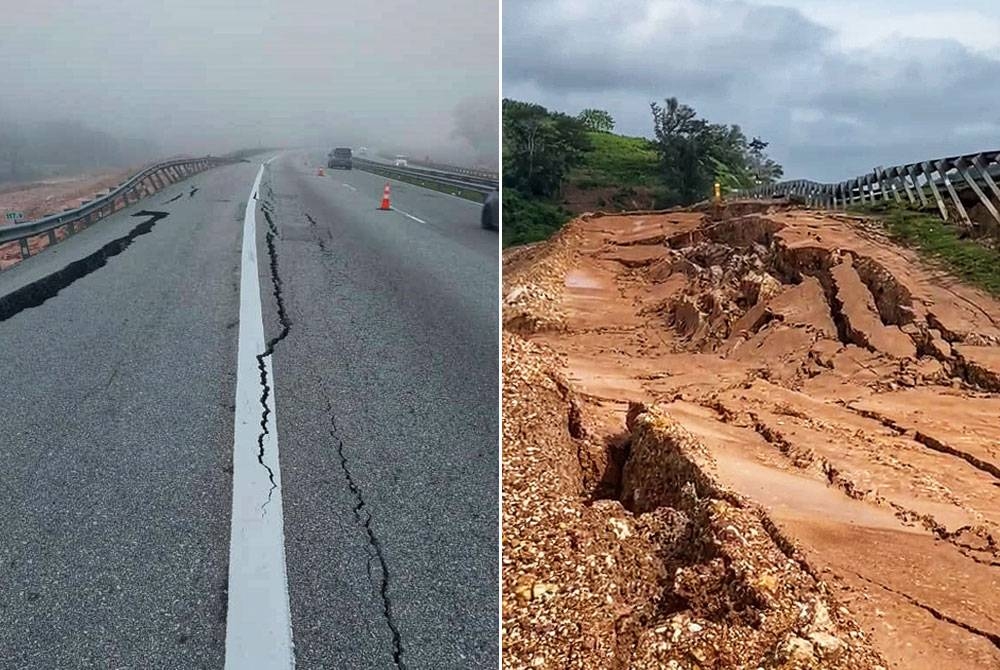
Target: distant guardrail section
x=919, y=183
x=32, y=236
x=480, y=185
x=456, y=170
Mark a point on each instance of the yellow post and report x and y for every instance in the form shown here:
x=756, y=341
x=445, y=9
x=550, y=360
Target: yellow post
x=718, y=192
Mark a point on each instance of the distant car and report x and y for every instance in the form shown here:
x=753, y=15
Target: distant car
x=340, y=158
x=491, y=212
x=400, y=161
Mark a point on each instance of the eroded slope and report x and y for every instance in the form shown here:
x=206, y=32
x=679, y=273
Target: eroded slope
x=832, y=383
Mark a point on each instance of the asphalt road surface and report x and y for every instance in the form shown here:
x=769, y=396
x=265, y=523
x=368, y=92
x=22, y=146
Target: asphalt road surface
x=362, y=383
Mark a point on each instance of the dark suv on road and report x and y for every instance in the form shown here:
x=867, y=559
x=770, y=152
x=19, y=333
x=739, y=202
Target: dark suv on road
x=490, y=215
x=339, y=158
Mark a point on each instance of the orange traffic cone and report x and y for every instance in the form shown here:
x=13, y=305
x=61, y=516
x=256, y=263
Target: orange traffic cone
x=320, y=173
x=385, y=198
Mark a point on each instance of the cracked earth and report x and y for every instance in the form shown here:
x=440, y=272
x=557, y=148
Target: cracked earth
x=756, y=436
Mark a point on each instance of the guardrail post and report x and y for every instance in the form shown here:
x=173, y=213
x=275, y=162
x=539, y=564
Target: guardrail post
x=964, y=170
x=902, y=179
x=981, y=165
x=929, y=174
x=943, y=169
x=890, y=179
x=915, y=178
x=25, y=249
x=887, y=186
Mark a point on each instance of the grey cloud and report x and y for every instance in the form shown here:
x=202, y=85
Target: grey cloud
x=828, y=114
x=212, y=75
x=598, y=51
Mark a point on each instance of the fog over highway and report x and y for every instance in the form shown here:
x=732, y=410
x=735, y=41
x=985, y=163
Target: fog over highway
x=250, y=412
x=211, y=76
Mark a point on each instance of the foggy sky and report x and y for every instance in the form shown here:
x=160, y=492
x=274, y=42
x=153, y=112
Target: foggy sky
x=198, y=76
x=838, y=88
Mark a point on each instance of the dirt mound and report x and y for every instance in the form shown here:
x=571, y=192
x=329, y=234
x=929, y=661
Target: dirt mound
x=678, y=573
x=811, y=385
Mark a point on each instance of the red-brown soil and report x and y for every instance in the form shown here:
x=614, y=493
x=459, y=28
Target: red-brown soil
x=818, y=433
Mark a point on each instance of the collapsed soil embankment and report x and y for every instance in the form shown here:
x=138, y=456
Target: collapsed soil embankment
x=819, y=414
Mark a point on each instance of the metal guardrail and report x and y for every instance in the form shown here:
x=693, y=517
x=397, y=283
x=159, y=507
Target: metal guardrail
x=456, y=170
x=150, y=180
x=478, y=184
x=918, y=182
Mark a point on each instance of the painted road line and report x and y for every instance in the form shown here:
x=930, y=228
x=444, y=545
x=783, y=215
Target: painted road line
x=349, y=186
x=258, y=623
x=408, y=215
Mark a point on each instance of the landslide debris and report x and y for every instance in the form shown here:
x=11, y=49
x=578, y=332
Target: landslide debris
x=736, y=418
x=677, y=573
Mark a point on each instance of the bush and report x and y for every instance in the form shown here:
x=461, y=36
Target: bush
x=617, y=160
x=940, y=242
x=526, y=220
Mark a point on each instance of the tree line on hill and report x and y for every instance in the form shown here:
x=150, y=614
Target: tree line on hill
x=540, y=147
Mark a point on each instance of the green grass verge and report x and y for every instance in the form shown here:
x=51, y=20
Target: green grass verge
x=617, y=160
x=468, y=194
x=941, y=242
x=526, y=221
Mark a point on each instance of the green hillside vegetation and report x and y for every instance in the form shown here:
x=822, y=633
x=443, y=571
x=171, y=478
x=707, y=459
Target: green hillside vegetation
x=555, y=165
x=940, y=242
x=526, y=220
x=616, y=161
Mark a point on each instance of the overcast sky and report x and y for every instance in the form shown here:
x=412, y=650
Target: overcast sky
x=212, y=75
x=836, y=87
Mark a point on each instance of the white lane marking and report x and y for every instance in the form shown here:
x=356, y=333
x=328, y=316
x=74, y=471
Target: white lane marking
x=258, y=624
x=396, y=209
x=349, y=186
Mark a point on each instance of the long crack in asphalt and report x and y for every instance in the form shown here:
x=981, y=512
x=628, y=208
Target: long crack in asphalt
x=319, y=239
x=364, y=519
x=283, y=320
x=37, y=292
